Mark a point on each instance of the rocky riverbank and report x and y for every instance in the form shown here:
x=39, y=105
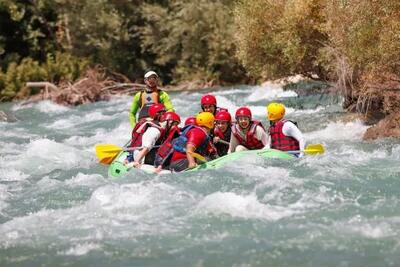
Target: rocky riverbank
x=379, y=102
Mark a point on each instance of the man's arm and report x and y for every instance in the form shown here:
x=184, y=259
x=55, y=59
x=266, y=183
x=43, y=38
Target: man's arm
x=149, y=139
x=190, y=148
x=290, y=129
x=263, y=136
x=164, y=97
x=134, y=109
x=233, y=144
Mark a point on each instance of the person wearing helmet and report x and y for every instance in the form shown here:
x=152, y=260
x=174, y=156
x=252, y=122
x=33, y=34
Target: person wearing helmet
x=284, y=134
x=209, y=104
x=147, y=135
x=247, y=134
x=144, y=99
x=222, y=132
x=171, y=121
x=193, y=138
x=190, y=121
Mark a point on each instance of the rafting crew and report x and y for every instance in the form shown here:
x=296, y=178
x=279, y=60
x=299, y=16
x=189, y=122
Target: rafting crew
x=160, y=141
x=222, y=132
x=284, y=134
x=149, y=96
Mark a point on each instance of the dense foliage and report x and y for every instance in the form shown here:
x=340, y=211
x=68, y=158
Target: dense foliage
x=351, y=41
x=222, y=40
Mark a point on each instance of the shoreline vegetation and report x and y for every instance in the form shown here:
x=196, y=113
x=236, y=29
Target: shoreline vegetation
x=192, y=44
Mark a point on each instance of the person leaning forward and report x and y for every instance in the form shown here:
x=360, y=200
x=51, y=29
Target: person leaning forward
x=144, y=99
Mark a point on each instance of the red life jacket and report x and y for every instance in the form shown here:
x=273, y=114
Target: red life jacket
x=220, y=134
x=250, y=141
x=166, y=149
x=279, y=140
x=141, y=128
x=222, y=149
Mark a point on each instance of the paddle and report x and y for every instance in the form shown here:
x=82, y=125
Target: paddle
x=107, y=152
x=311, y=149
x=198, y=156
x=223, y=142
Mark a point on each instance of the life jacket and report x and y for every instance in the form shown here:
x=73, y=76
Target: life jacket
x=146, y=99
x=140, y=129
x=279, y=140
x=222, y=149
x=249, y=141
x=164, y=153
x=179, y=143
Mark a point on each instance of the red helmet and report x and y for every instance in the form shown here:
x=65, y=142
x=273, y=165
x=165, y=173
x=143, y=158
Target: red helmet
x=223, y=116
x=208, y=100
x=170, y=116
x=191, y=121
x=156, y=108
x=243, y=112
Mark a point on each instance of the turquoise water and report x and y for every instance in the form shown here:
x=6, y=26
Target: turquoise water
x=59, y=208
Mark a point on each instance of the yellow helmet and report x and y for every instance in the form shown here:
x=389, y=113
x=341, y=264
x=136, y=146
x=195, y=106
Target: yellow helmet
x=205, y=119
x=275, y=111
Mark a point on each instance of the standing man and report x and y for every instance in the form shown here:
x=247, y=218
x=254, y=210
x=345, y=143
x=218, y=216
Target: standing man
x=284, y=134
x=144, y=99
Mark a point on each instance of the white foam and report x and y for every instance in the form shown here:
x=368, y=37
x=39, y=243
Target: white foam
x=81, y=249
x=269, y=92
x=71, y=121
x=396, y=152
x=369, y=228
x=231, y=91
x=44, y=155
x=4, y=195
x=241, y=206
x=118, y=136
x=111, y=197
x=307, y=111
x=82, y=179
x=339, y=131
x=226, y=103
x=10, y=175
x=43, y=106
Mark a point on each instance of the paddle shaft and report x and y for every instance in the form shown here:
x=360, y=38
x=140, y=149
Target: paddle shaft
x=223, y=142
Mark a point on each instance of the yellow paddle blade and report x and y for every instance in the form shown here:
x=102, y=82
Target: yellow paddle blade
x=106, y=151
x=314, y=149
x=107, y=161
x=198, y=156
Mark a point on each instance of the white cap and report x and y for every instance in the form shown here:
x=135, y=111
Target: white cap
x=149, y=73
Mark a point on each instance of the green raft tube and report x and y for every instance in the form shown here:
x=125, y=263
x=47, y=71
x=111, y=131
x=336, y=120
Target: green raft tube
x=118, y=168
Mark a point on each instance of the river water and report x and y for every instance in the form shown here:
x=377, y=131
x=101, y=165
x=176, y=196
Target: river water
x=58, y=207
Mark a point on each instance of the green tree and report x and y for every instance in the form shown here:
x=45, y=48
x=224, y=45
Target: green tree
x=193, y=38
x=281, y=38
